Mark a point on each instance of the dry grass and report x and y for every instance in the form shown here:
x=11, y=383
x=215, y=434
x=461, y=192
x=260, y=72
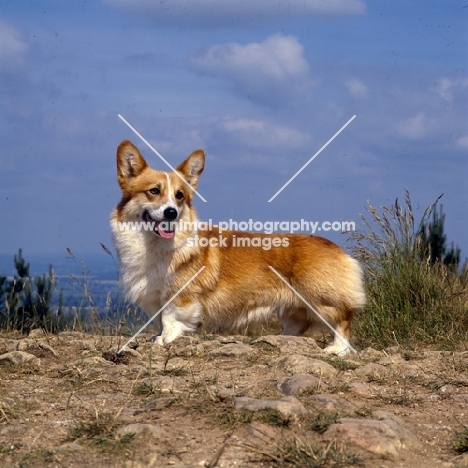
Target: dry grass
x=460, y=444
x=303, y=453
x=99, y=430
x=410, y=299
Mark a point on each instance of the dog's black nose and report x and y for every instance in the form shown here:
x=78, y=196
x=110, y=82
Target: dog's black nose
x=170, y=213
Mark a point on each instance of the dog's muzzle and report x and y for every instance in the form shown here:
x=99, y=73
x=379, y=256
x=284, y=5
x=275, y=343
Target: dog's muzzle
x=165, y=227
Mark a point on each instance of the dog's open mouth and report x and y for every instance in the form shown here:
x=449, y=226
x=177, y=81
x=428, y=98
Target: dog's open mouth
x=164, y=229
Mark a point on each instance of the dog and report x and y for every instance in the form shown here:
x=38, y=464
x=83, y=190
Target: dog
x=203, y=278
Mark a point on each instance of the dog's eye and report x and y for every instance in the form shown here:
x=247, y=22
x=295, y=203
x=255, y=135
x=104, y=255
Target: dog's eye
x=154, y=191
x=179, y=195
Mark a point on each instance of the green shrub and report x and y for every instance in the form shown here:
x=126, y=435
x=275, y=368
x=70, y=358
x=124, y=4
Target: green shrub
x=412, y=295
x=26, y=301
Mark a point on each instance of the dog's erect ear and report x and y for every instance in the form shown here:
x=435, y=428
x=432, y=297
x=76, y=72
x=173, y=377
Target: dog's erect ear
x=192, y=167
x=130, y=162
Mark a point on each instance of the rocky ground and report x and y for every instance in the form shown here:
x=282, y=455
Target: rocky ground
x=228, y=401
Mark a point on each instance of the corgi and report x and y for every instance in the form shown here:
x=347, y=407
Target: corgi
x=234, y=285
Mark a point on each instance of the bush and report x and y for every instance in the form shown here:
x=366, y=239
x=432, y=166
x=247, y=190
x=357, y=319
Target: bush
x=26, y=302
x=412, y=295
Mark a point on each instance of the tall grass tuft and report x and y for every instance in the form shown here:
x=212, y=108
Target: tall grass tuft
x=411, y=300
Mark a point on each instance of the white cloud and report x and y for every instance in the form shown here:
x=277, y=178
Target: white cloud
x=222, y=13
x=12, y=46
x=277, y=58
x=413, y=128
x=188, y=139
x=446, y=87
x=272, y=70
x=356, y=88
x=261, y=134
x=462, y=142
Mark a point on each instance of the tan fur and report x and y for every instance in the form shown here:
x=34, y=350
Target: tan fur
x=237, y=286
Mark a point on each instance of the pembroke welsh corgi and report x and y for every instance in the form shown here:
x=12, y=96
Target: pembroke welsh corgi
x=163, y=250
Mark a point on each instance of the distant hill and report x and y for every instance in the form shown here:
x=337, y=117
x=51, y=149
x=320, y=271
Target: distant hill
x=85, y=279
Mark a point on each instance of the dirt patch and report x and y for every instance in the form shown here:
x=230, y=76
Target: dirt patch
x=74, y=400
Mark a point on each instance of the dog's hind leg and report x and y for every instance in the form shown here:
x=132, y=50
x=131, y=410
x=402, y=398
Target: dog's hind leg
x=295, y=321
x=340, y=345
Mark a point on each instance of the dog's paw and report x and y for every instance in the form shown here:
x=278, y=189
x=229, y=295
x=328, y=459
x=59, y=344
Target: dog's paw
x=157, y=339
x=339, y=349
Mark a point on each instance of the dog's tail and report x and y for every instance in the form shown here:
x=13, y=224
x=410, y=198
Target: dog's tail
x=353, y=293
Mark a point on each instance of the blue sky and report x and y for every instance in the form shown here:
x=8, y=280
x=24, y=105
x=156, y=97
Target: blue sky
x=260, y=85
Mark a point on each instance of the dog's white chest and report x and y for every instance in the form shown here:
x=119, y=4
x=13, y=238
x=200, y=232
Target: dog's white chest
x=143, y=270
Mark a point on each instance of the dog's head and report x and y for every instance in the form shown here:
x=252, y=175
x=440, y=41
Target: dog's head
x=159, y=199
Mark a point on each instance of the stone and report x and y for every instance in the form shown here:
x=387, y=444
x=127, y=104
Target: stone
x=299, y=364
x=392, y=350
x=411, y=370
x=141, y=428
x=182, y=342
x=151, y=462
x=70, y=447
x=447, y=389
x=177, y=364
x=231, y=350
x=393, y=359
x=4, y=348
x=325, y=402
x=231, y=339
x=262, y=432
x=46, y=347
x=382, y=415
x=158, y=404
x=223, y=393
x=460, y=398
x=191, y=350
x=152, y=349
x=128, y=351
x=36, y=333
x=23, y=345
x=360, y=388
x=371, y=354
x=287, y=406
x=84, y=345
x=93, y=361
x=300, y=383
x=290, y=344
x=386, y=437
x=210, y=345
x=18, y=357
x=7, y=402
x=161, y=383
x=462, y=461
x=373, y=370
x=138, y=369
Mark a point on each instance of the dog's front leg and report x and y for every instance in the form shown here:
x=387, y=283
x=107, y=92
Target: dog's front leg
x=176, y=321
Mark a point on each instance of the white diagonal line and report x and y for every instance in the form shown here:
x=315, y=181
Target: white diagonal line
x=161, y=309
x=311, y=308
x=312, y=158
x=157, y=153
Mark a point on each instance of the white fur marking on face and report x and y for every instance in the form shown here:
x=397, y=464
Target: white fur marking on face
x=169, y=188
x=157, y=212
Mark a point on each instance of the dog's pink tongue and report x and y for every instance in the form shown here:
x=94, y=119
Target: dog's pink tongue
x=163, y=233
